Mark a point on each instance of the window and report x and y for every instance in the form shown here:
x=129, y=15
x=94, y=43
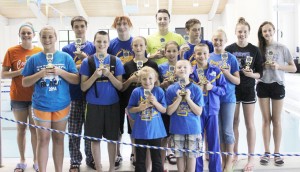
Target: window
x=65, y=37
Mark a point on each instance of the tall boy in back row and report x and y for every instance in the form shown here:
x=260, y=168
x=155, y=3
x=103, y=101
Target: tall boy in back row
x=78, y=103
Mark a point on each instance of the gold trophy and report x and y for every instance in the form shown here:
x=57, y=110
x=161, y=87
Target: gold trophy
x=78, y=43
x=49, y=58
x=182, y=85
x=248, y=62
x=147, y=113
x=269, y=57
x=224, y=57
x=170, y=74
x=202, y=79
x=125, y=54
x=101, y=60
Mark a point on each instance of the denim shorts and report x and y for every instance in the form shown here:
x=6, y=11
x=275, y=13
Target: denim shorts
x=20, y=105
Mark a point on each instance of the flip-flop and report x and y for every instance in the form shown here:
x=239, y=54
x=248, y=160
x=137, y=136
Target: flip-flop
x=36, y=167
x=20, y=167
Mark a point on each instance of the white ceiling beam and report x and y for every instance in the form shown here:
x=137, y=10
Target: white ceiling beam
x=37, y=12
x=80, y=9
x=3, y=20
x=170, y=4
x=124, y=8
x=213, y=9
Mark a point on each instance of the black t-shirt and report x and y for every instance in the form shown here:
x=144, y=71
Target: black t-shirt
x=130, y=67
x=256, y=65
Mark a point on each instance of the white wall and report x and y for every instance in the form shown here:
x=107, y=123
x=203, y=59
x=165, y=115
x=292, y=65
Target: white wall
x=254, y=11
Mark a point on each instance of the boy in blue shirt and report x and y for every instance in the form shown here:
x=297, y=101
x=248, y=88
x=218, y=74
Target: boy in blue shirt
x=102, y=112
x=185, y=101
x=78, y=103
x=145, y=107
x=213, y=83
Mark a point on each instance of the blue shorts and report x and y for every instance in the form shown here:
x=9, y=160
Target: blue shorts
x=20, y=105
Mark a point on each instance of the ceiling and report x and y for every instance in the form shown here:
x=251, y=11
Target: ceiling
x=10, y=9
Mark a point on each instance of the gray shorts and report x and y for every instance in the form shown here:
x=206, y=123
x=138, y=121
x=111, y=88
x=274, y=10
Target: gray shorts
x=191, y=142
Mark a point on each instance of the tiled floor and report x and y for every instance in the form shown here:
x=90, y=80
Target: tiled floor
x=290, y=139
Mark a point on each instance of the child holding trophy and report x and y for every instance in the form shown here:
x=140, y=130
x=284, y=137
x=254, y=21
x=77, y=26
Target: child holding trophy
x=250, y=65
x=50, y=72
x=146, y=104
x=132, y=68
x=101, y=85
x=270, y=88
x=213, y=83
x=79, y=50
x=185, y=101
x=229, y=67
x=167, y=71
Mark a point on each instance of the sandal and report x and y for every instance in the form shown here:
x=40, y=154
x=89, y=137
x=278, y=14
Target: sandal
x=265, y=159
x=172, y=159
x=20, y=167
x=36, y=167
x=278, y=160
x=74, y=167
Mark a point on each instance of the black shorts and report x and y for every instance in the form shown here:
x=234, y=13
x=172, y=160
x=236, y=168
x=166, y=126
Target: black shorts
x=102, y=121
x=245, y=95
x=166, y=119
x=271, y=90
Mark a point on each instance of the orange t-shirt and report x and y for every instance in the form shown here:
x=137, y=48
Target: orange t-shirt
x=15, y=59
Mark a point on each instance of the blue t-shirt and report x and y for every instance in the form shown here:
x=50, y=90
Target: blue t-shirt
x=212, y=98
x=215, y=59
x=147, y=128
x=89, y=49
x=51, y=93
x=183, y=120
x=107, y=93
x=118, y=47
x=189, y=55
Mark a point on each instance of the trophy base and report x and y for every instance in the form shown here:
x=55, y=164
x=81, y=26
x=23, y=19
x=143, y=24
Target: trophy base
x=50, y=67
x=182, y=93
x=225, y=67
x=268, y=63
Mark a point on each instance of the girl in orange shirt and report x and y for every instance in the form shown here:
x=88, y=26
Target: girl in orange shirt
x=13, y=63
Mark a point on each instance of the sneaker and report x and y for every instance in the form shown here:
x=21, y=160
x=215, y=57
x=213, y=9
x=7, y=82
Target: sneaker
x=118, y=162
x=132, y=157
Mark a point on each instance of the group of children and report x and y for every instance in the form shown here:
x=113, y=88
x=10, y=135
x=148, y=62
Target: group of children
x=176, y=96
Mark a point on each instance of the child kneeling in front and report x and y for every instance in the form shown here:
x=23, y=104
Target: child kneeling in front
x=145, y=106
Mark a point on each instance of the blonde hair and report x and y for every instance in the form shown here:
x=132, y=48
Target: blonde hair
x=146, y=70
x=48, y=27
x=220, y=31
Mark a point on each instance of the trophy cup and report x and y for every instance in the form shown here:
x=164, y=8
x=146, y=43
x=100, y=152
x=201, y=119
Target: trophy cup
x=101, y=60
x=224, y=57
x=49, y=58
x=186, y=38
x=125, y=54
x=248, y=62
x=202, y=79
x=78, y=43
x=139, y=64
x=163, y=45
x=171, y=72
x=147, y=113
x=269, y=57
x=182, y=85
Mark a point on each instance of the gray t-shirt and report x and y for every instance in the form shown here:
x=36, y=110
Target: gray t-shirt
x=282, y=56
